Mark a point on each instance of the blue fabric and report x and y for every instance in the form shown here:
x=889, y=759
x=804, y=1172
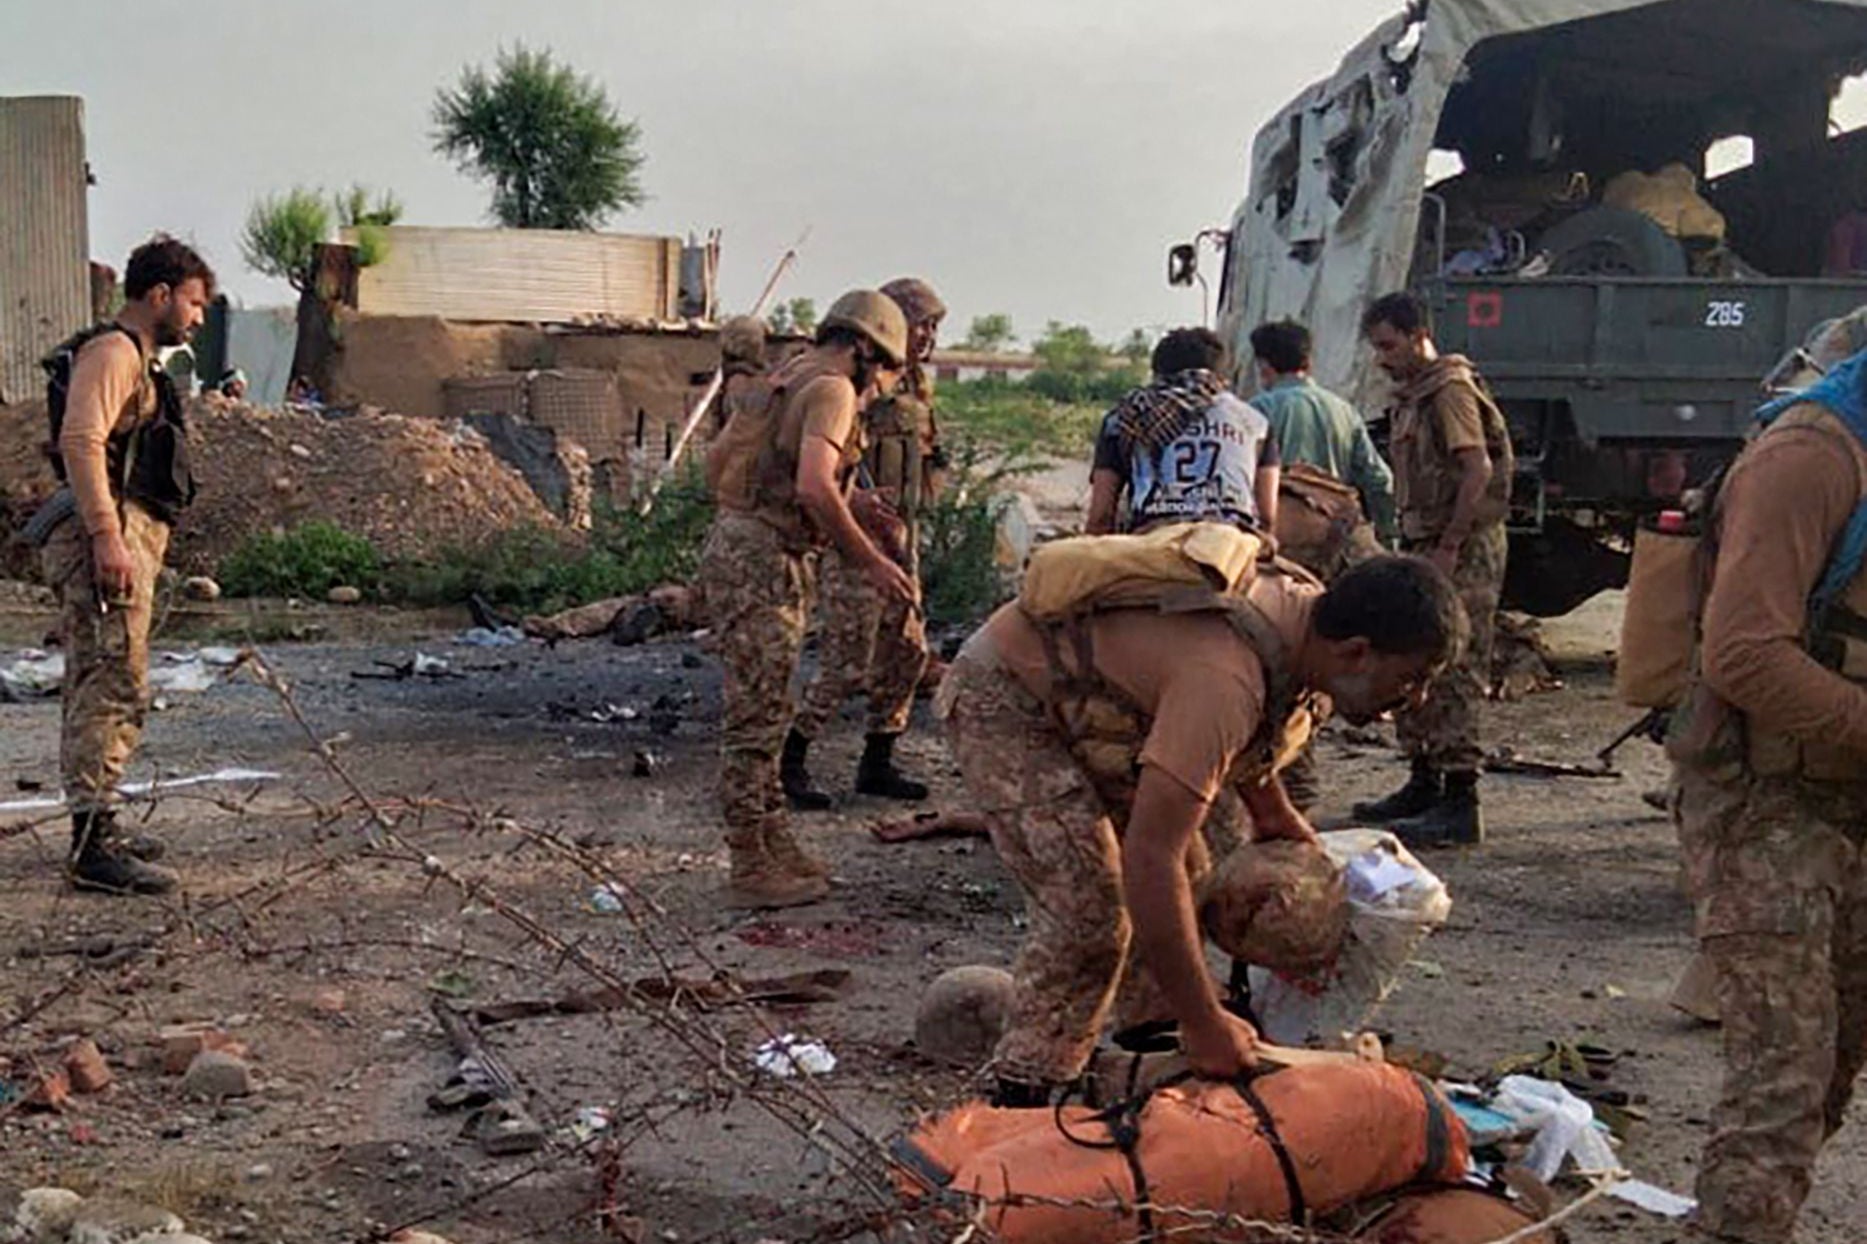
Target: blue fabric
x=1840, y=392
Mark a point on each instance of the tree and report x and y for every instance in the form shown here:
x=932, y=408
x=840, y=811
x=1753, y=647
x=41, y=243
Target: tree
x=283, y=231
x=990, y=333
x=778, y=320
x=1138, y=347
x=803, y=315
x=282, y=235
x=1070, y=350
x=556, y=151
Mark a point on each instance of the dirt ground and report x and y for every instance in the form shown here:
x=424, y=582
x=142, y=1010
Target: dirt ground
x=1567, y=924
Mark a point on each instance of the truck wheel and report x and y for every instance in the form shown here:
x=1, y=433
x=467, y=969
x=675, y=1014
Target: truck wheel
x=1612, y=241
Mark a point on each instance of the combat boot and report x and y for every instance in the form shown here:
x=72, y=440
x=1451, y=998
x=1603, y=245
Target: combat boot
x=784, y=847
x=759, y=881
x=877, y=775
x=799, y=791
x=1421, y=792
x=100, y=862
x=1454, y=821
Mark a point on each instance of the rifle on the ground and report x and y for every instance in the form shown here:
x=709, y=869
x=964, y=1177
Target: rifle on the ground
x=1651, y=727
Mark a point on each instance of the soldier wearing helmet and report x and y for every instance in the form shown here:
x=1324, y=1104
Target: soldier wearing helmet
x=780, y=472
x=868, y=643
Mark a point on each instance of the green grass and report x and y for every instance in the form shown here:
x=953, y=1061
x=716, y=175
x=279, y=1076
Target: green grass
x=1012, y=420
x=306, y=561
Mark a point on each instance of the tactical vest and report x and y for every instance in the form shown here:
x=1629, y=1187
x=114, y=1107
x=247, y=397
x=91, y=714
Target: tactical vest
x=1105, y=730
x=901, y=449
x=752, y=464
x=1426, y=473
x=146, y=457
x=1708, y=732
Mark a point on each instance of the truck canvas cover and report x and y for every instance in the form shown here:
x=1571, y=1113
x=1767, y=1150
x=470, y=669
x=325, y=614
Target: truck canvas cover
x=1337, y=178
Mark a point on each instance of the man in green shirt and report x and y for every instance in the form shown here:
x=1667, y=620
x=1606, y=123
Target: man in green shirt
x=1315, y=427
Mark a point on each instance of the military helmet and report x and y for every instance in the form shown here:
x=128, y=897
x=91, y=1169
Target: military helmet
x=877, y=317
x=743, y=337
x=963, y=1014
x=1281, y=904
x=917, y=299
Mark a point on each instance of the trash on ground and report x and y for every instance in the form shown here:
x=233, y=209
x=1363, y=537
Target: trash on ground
x=421, y=665
x=788, y=1056
x=1395, y=902
x=1565, y=1127
x=1654, y=1200
x=158, y=786
x=488, y=637
x=608, y=899
x=588, y=1123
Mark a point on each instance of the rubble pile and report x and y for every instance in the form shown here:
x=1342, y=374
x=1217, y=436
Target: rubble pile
x=413, y=487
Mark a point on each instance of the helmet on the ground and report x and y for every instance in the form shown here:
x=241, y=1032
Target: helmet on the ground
x=875, y=316
x=1281, y=905
x=917, y=299
x=963, y=1014
x=743, y=337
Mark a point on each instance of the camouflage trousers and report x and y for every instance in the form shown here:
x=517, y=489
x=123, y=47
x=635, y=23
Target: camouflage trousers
x=863, y=643
x=1076, y=969
x=1777, y=871
x=757, y=599
x=105, y=698
x=1444, y=730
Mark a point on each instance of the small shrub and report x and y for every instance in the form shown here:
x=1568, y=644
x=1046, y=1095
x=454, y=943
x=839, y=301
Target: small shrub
x=541, y=571
x=308, y=561
x=960, y=578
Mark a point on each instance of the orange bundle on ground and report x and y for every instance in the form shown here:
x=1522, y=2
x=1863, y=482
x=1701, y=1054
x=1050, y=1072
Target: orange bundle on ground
x=1300, y=1142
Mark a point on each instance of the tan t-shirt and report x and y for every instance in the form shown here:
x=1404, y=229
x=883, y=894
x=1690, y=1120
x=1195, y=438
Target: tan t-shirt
x=1461, y=419
x=1783, y=507
x=109, y=390
x=1195, y=677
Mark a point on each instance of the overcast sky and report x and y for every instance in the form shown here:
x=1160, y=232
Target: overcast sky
x=1029, y=156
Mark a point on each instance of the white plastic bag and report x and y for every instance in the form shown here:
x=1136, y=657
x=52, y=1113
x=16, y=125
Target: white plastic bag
x=1394, y=901
x=1565, y=1127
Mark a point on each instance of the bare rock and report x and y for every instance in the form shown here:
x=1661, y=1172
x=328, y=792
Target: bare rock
x=102, y=1220
x=216, y=1074
x=409, y=1235
x=200, y=587
x=343, y=594
x=45, y=1215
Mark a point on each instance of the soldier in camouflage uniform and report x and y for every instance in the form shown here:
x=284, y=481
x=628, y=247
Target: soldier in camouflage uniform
x=779, y=472
x=120, y=447
x=1452, y=473
x=863, y=642
x=1099, y=819
x=1770, y=755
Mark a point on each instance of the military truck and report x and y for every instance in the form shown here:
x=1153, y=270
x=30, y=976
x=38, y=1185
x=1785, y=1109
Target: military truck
x=1537, y=170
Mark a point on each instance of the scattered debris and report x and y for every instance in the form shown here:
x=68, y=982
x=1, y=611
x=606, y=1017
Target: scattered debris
x=930, y=824
x=1564, y=1123
x=35, y=674
x=183, y=1043
x=86, y=1068
x=489, y=637
x=788, y=1056
x=648, y=764
x=1520, y=659
x=1654, y=1200
x=1506, y=760
x=607, y=900
x=421, y=665
x=793, y=989
x=139, y=790
x=50, y=1091
x=483, y=1081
